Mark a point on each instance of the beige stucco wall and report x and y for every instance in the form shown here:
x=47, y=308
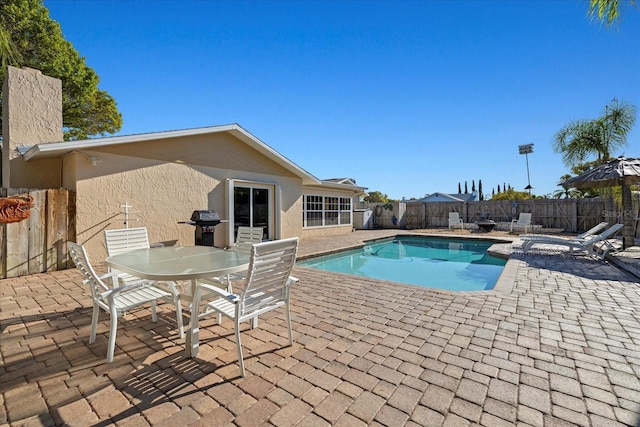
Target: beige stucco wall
x=31, y=114
x=314, y=232
x=162, y=194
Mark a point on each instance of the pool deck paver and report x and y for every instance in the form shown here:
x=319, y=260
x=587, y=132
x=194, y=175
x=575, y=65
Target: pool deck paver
x=557, y=343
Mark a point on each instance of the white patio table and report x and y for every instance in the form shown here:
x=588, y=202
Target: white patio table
x=176, y=263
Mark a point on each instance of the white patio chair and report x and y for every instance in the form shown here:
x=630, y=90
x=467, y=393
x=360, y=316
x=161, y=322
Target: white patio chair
x=597, y=245
x=129, y=239
x=267, y=287
x=245, y=239
x=125, y=240
x=523, y=221
x=115, y=301
x=455, y=221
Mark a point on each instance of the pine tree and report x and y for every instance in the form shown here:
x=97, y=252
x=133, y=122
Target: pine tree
x=459, y=189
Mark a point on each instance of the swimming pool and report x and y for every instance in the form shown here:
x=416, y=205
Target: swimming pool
x=451, y=264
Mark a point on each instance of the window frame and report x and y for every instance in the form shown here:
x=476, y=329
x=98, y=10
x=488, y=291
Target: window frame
x=326, y=211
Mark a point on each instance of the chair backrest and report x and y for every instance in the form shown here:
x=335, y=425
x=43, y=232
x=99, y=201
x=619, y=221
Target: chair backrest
x=270, y=266
x=592, y=231
x=246, y=237
x=524, y=219
x=81, y=260
x=454, y=217
x=126, y=239
x=608, y=233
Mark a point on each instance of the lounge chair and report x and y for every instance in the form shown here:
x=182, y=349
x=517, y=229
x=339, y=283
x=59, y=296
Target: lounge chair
x=523, y=221
x=596, y=244
x=583, y=236
x=455, y=221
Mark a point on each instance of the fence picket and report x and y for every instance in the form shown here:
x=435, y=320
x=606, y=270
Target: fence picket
x=37, y=235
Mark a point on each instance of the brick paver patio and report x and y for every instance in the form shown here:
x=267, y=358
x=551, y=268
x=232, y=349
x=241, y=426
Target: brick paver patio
x=557, y=343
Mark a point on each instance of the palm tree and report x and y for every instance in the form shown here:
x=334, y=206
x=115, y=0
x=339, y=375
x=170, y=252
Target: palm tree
x=567, y=193
x=606, y=11
x=601, y=137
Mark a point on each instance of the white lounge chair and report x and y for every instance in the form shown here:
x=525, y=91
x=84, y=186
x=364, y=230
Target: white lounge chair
x=267, y=288
x=523, y=221
x=455, y=221
x=586, y=235
x=596, y=244
x=116, y=300
x=129, y=239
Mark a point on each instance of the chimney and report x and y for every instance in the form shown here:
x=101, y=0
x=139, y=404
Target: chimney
x=31, y=114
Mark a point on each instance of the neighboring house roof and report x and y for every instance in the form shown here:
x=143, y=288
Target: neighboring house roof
x=349, y=181
x=342, y=183
x=444, y=197
x=58, y=149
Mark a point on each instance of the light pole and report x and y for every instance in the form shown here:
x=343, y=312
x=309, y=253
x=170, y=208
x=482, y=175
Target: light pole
x=526, y=150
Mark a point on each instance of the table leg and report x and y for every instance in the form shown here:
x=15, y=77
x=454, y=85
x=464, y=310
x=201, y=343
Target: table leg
x=192, y=340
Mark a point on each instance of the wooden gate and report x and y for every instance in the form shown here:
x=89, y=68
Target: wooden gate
x=38, y=243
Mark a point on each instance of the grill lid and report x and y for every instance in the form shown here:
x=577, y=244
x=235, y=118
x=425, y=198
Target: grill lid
x=205, y=215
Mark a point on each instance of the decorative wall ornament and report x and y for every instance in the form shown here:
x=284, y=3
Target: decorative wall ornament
x=15, y=208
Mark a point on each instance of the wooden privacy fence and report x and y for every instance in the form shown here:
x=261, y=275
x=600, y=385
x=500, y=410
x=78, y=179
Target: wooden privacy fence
x=570, y=215
x=38, y=244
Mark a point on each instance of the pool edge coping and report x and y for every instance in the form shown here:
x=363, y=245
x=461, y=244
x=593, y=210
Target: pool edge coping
x=504, y=284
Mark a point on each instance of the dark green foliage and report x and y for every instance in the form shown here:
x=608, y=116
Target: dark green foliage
x=40, y=44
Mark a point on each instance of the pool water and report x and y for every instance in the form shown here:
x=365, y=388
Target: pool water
x=451, y=264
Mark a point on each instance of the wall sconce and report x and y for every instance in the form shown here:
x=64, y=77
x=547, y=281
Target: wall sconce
x=94, y=160
x=91, y=159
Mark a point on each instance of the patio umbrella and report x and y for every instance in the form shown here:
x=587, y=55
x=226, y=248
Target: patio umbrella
x=621, y=171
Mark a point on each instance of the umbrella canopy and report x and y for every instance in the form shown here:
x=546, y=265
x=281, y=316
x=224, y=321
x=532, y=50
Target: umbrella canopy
x=618, y=171
x=622, y=171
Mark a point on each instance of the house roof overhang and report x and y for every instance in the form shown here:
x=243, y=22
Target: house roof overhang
x=343, y=186
x=59, y=149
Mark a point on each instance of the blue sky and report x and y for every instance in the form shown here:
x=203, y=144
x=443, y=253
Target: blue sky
x=406, y=97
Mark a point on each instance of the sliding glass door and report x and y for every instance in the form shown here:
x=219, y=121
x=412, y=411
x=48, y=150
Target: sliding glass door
x=252, y=207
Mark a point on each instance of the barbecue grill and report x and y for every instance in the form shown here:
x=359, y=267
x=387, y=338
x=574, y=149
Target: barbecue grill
x=205, y=222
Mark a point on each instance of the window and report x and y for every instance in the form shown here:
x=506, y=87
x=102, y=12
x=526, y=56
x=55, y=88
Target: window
x=326, y=211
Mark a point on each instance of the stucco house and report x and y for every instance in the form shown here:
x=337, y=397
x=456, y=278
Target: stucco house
x=164, y=176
